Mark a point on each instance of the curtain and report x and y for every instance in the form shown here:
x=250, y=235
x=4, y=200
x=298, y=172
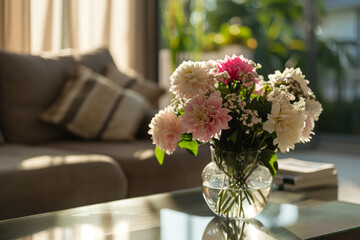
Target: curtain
x=127, y=27
x=143, y=37
x=46, y=25
x=15, y=25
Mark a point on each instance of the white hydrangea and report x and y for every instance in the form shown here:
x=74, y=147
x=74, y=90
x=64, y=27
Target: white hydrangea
x=281, y=96
x=192, y=78
x=300, y=105
x=307, y=131
x=313, y=108
x=291, y=74
x=287, y=122
x=210, y=64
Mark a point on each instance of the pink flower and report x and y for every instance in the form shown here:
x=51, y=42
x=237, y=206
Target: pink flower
x=259, y=90
x=233, y=66
x=205, y=118
x=166, y=128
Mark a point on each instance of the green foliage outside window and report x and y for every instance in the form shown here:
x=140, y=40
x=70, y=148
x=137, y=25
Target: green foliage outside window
x=274, y=30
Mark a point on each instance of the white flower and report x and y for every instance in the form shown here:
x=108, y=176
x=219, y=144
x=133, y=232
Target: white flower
x=283, y=97
x=192, y=78
x=288, y=122
x=290, y=74
x=313, y=108
x=307, y=131
x=210, y=64
x=300, y=105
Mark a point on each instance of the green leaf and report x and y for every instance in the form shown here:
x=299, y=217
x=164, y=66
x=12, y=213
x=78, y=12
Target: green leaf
x=255, y=96
x=269, y=159
x=190, y=146
x=232, y=137
x=262, y=106
x=223, y=89
x=186, y=137
x=159, y=154
x=181, y=111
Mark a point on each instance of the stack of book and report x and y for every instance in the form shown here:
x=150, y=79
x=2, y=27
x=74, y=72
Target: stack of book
x=297, y=175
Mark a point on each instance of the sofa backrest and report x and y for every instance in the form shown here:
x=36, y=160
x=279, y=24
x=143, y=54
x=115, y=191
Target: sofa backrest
x=97, y=60
x=30, y=84
x=1, y=137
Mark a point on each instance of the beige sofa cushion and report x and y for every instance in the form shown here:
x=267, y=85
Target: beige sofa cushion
x=135, y=81
x=28, y=86
x=145, y=175
x=41, y=179
x=93, y=107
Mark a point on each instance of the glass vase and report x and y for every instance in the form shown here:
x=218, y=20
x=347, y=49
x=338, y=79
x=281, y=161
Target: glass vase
x=235, y=184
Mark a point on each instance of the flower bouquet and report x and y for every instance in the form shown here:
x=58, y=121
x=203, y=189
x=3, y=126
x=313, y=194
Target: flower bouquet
x=245, y=119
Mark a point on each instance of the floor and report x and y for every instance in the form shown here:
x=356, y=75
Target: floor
x=347, y=164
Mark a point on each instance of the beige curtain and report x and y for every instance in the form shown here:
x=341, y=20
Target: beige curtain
x=143, y=37
x=75, y=24
x=46, y=25
x=127, y=27
x=15, y=25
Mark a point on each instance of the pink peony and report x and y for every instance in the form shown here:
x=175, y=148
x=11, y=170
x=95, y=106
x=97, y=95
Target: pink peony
x=205, y=118
x=233, y=66
x=166, y=128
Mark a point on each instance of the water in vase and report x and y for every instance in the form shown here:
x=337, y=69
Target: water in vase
x=234, y=202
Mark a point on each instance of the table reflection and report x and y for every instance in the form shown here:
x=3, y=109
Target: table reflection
x=185, y=217
x=226, y=229
x=279, y=215
x=120, y=231
x=270, y=224
x=177, y=225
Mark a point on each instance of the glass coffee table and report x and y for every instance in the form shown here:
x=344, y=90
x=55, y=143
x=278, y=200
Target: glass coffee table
x=185, y=215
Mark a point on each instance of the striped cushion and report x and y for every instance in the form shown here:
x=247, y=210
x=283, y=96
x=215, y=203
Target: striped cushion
x=132, y=80
x=94, y=107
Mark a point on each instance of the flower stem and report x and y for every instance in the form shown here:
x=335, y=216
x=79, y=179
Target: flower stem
x=262, y=195
x=262, y=141
x=252, y=141
x=241, y=205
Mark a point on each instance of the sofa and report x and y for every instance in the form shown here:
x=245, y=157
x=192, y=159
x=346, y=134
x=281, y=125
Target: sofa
x=52, y=159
